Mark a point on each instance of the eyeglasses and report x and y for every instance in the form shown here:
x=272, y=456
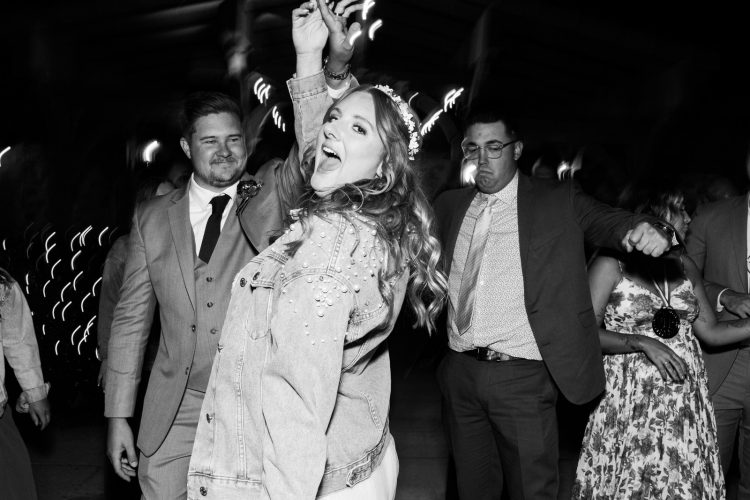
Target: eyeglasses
x=494, y=150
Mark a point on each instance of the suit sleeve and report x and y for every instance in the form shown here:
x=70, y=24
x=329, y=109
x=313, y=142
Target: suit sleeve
x=696, y=243
x=114, y=267
x=300, y=385
x=131, y=325
x=603, y=225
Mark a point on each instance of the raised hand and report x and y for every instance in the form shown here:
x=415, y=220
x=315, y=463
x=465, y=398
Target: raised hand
x=309, y=32
x=340, y=47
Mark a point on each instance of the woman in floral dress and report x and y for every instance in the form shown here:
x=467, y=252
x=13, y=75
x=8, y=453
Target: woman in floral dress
x=653, y=434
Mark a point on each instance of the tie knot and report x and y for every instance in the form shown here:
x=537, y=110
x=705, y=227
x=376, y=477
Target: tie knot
x=219, y=203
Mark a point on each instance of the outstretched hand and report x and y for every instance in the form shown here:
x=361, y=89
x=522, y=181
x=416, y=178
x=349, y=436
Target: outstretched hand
x=309, y=32
x=340, y=38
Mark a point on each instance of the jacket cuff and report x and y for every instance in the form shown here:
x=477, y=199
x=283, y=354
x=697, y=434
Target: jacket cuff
x=37, y=393
x=309, y=86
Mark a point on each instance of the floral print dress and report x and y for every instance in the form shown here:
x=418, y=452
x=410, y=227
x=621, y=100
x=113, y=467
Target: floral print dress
x=650, y=437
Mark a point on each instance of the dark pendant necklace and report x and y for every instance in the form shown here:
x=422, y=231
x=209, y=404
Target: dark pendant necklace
x=666, y=322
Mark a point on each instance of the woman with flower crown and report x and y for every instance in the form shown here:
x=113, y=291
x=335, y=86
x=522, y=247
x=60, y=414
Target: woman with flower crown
x=298, y=399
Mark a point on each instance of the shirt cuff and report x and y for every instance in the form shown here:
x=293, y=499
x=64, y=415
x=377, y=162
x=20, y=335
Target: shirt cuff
x=720, y=307
x=300, y=88
x=37, y=393
x=336, y=93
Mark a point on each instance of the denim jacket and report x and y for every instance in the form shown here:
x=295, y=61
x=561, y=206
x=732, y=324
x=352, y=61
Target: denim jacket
x=298, y=399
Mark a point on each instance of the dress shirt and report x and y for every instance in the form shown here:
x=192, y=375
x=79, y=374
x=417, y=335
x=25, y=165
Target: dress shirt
x=499, y=321
x=200, y=208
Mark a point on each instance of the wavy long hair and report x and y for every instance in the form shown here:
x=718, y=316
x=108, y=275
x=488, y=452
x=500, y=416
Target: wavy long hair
x=398, y=207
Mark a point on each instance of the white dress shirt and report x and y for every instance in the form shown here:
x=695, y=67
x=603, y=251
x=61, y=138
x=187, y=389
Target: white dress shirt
x=200, y=208
x=720, y=307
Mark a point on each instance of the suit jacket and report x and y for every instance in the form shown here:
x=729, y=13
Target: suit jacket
x=717, y=242
x=553, y=221
x=160, y=268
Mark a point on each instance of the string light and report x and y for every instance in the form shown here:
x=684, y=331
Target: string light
x=62, y=314
x=73, y=260
x=62, y=292
x=84, y=300
x=72, y=335
x=77, y=236
x=93, y=292
x=369, y=4
x=52, y=269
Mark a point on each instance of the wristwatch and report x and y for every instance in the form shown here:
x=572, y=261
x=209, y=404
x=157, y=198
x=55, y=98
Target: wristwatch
x=667, y=229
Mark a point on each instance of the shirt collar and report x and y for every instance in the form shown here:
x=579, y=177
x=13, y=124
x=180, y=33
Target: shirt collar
x=509, y=193
x=201, y=197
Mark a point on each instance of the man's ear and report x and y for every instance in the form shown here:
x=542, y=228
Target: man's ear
x=185, y=146
x=517, y=150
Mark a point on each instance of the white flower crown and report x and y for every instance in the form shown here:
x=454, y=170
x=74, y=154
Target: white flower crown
x=406, y=116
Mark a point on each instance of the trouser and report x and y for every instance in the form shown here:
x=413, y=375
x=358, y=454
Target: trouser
x=16, y=479
x=732, y=407
x=163, y=475
x=502, y=408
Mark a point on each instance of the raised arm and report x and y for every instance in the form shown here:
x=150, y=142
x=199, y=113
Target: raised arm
x=615, y=228
x=604, y=274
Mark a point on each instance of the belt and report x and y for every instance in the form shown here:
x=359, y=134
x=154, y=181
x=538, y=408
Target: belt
x=484, y=354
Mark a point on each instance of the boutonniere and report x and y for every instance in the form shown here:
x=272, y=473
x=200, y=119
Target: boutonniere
x=245, y=191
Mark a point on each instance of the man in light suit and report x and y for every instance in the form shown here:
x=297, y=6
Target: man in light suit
x=521, y=327
x=717, y=240
x=183, y=253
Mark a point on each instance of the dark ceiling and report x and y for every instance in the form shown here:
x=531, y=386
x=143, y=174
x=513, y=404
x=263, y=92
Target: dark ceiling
x=658, y=79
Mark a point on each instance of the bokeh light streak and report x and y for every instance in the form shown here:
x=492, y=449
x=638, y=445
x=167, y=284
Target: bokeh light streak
x=468, y=173
x=73, y=260
x=353, y=37
x=62, y=314
x=77, y=236
x=62, y=292
x=52, y=269
x=72, y=335
x=46, y=252
x=412, y=97
x=430, y=121
x=82, y=240
x=93, y=291
x=54, y=308
x=44, y=289
x=57, y=344
x=369, y=4
x=46, y=242
x=80, y=273
x=450, y=98
x=150, y=150
x=44, y=329
x=102, y=234
x=84, y=299
x=2, y=153
x=373, y=28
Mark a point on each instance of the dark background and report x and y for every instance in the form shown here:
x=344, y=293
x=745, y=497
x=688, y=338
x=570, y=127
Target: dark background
x=635, y=87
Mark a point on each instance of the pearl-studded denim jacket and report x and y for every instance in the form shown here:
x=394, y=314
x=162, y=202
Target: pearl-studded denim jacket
x=298, y=399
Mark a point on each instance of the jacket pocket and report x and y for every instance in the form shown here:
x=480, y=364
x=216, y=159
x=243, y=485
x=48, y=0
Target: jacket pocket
x=262, y=282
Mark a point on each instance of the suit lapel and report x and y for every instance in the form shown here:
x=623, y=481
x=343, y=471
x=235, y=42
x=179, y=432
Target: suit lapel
x=738, y=232
x=182, y=237
x=525, y=215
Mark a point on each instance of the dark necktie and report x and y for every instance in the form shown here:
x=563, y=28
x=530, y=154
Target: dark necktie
x=213, y=227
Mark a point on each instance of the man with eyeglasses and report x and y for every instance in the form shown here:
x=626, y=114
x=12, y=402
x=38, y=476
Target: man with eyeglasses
x=718, y=240
x=521, y=326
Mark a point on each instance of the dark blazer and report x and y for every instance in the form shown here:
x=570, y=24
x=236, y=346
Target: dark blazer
x=553, y=221
x=717, y=242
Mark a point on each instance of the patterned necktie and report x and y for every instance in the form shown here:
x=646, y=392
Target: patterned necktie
x=470, y=277
x=213, y=227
